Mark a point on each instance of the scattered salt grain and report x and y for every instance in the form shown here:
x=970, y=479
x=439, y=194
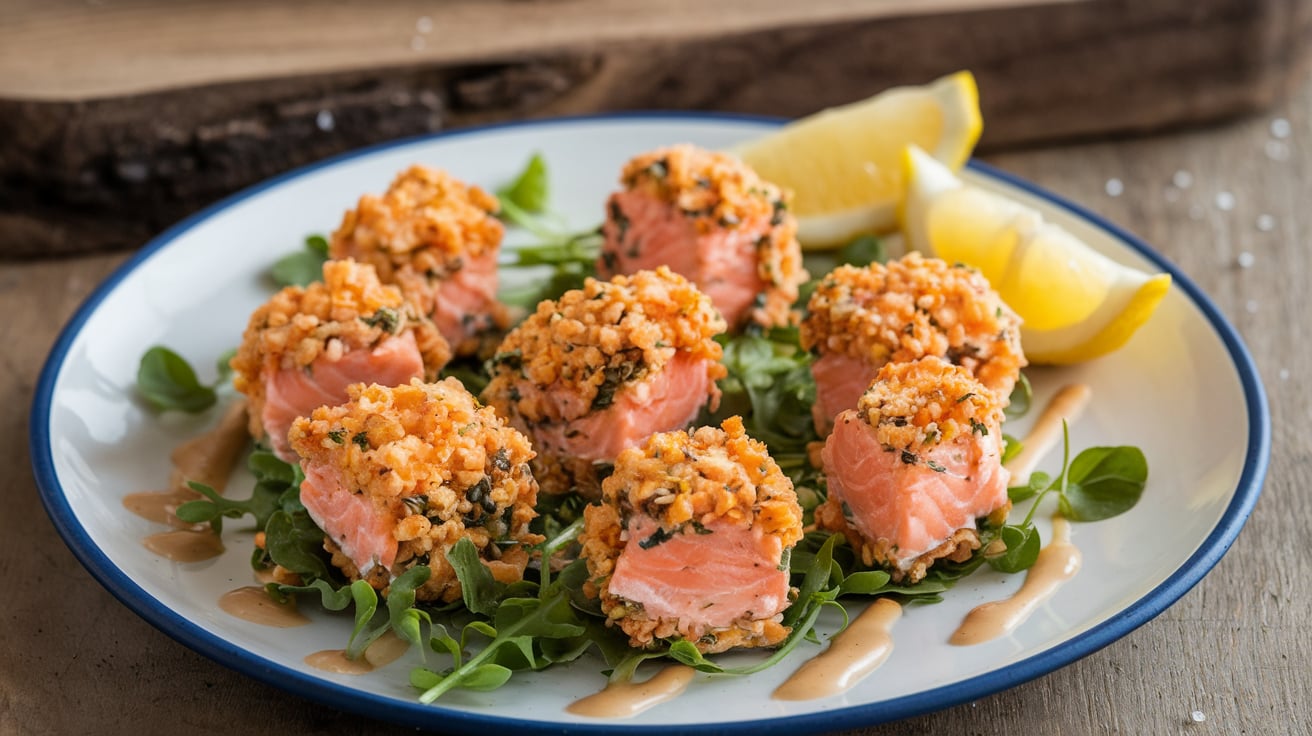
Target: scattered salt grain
x=1277, y=151
x=1114, y=187
x=417, y=43
x=1198, y=716
x=1182, y=179
x=1280, y=128
x=1245, y=260
x=1225, y=201
x=324, y=120
x=1251, y=306
x=1266, y=223
x=424, y=25
x=1284, y=374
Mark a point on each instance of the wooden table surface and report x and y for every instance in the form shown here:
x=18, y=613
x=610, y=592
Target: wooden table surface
x=1236, y=648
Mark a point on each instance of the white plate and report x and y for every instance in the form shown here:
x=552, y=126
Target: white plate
x=1184, y=390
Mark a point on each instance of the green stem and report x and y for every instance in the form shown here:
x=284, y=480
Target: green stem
x=453, y=680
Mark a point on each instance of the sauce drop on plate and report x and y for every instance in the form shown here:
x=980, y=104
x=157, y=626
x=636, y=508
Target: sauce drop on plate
x=628, y=699
x=386, y=649
x=1068, y=404
x=852, y=655
x=158, y=506
x=185, y=545
x=251, y=603
x=210, y=458
x=1057, y=563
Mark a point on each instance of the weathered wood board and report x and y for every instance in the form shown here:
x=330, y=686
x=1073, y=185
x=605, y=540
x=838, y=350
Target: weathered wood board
x=117, y=119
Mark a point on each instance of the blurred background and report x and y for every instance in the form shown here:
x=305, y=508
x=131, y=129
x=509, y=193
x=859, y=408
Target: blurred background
x=120, y=117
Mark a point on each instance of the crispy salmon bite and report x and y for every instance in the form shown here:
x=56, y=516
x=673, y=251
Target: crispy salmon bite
x=709, y=217
x=860, y=318
x=395, y=477
x=691, y=541
x=604, y=367
x=914, y=465
x=303, y=347
x=436, y=238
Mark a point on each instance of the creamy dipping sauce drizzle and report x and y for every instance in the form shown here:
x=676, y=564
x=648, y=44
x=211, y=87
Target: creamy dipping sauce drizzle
x=251, y=603
x=207, y=459
x=386, y=649
x=185, y=545
x=1057, y=563
x=628, y=699
x=1068, y=404
x=158, y=506
x=852, y=655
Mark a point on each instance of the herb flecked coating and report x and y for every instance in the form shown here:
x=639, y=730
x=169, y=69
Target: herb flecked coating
x=697, y=486
x=430, y=466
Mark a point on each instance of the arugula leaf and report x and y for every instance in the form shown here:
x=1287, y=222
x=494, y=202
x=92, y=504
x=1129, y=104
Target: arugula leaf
x=477, y=586
x=168, y=382
x=213, y=508
x=529, y=191
x=303, y=267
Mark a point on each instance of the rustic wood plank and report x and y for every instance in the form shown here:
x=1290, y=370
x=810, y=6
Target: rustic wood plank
x=94, y=174
x=44, y=53
x=1235, y=648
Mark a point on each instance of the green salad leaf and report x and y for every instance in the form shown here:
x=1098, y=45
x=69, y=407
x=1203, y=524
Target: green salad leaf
x=168, y=383
x=302, y=267
x=529, y=192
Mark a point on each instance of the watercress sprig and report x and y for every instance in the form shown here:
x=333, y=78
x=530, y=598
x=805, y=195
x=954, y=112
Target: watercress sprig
x=168, y=382
x=303, y=267
x=1101, y=482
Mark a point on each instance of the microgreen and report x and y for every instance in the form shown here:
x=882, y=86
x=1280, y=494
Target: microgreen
x=1022, y=396
x=571, y=256
x=303, y=267
x=168, y=382
x=1101, y=482
x=863, y=250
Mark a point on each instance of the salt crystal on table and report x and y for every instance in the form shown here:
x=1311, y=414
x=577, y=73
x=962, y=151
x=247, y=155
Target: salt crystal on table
x=1114, y=187
x=1198, y=716
x=1266, y=223
x=1183, y=179
x=1251, y=306
x=1225, y=201
x=1280, y=128
x=1284, y=374
x=424, y=25
x=1246, y=260
x=324, y=121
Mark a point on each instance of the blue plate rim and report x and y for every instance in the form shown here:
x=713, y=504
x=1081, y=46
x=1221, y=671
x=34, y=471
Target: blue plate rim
x=371, y=705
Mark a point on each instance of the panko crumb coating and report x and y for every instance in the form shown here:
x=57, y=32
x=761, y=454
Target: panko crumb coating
x=426, y=229
x=917, y=409
x=427, y=465
x=699, y=486
x=718, y=192
x=349, y=310
x=914, y=307
x=583, y=354
x=926, y=403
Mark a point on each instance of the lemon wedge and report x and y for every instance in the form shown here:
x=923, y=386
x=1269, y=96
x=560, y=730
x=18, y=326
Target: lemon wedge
x=842, y=164
x=1076, y=303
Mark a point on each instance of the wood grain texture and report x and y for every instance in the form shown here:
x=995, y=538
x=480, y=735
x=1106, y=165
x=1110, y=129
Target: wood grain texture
x=1237, y=647
x=81, y=174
